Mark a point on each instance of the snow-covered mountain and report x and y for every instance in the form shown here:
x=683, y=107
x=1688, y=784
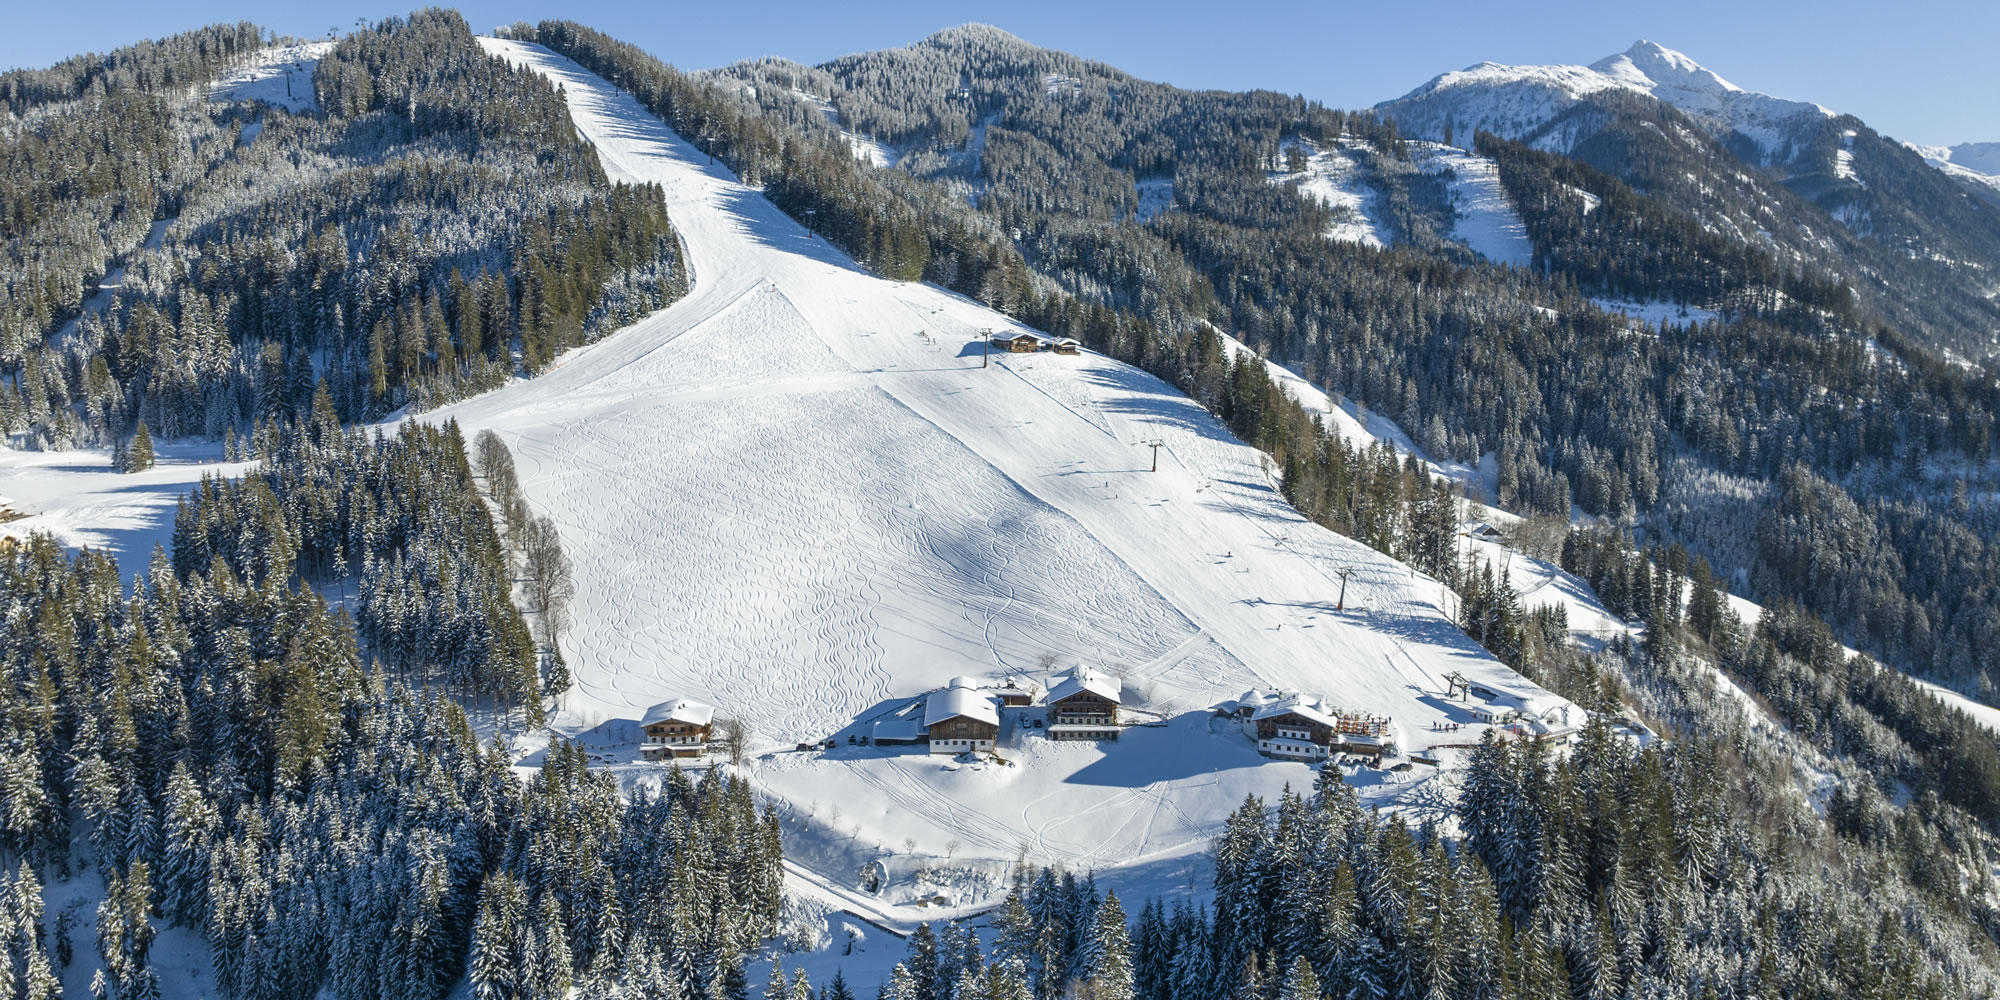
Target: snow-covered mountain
x=1974, y=164
x=1518, y=101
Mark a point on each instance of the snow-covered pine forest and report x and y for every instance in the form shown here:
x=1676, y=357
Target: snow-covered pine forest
x=435, y=228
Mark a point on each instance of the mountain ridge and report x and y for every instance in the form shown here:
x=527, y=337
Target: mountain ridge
x=1518, y=98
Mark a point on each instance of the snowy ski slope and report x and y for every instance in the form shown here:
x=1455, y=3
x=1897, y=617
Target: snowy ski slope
x=1330, y=177
x=280, y=75
x=798, y=495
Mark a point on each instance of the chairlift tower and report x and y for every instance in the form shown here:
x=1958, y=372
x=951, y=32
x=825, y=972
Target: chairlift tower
x=1456, y=686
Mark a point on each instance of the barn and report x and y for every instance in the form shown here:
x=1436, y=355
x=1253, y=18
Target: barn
x=961, y=719
x=677, y=728
x=1067, y=346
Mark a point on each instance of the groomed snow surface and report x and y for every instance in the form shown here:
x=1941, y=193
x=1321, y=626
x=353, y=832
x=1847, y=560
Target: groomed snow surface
x=1487, y=221
x=798, y=495
x=281, y=76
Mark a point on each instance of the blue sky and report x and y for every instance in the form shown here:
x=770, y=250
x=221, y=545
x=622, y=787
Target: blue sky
x=1916, y=71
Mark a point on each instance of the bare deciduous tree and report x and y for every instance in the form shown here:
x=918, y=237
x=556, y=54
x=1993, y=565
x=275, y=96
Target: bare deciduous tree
x=550, y=580
x=496, y=465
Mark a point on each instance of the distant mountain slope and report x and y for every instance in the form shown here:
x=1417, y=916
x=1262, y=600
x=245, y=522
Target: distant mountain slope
x=1976, y=165
x=1514, y=101
x=1921, y=248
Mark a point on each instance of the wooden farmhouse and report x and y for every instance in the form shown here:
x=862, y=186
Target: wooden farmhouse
x=1083, y=705
x=1294, y=726
x=1020, y=343
x=1067, y=346
x=961, y=719
x=678, y=728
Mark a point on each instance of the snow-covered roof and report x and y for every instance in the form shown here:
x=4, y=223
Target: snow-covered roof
x=1293, y=703
x=1534, y=704
x=686, y=710
x=1081, y=679
x=901, y=727
x=958, y=702
x=963, y=681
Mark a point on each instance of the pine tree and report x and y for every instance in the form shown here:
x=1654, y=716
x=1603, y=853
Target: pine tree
x=837, y=989
x=190, y=830
x=137, y=454
x=901, y=985
x=1110, y=974
x=922, y=963
x=1300, y=983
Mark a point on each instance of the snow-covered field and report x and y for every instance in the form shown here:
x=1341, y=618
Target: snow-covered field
x=797, y=494
x=1487, y=221
x=281, y=76
x=81, y=500
x=1651, y=313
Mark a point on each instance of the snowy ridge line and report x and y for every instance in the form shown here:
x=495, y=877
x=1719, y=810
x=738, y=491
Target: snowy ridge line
x=1514, y=101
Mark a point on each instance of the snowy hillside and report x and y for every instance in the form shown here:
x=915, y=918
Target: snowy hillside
x=1976, y=163
x=799, y=495
x=280, y=76
x=1487, y=220
x=1514, y=101
x=84, y=502
x=1332, y=178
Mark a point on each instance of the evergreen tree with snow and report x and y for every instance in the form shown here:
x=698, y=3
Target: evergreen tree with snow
x=1109, y=975
x=1300, y=982
x=137, y=455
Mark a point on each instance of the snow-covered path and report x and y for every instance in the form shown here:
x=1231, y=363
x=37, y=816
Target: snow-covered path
x=797, y=493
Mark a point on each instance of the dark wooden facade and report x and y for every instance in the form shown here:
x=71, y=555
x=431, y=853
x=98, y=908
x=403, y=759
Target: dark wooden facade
x=1084, y=708
x=962, y=735
x=1292, y=725
x=673, y=738
x=964, y=729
